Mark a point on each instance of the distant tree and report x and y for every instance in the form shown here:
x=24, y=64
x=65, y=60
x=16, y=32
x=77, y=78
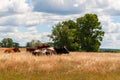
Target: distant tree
x=91, y=33
x=16, y=44
x=7, y=42
x=37, y=43
x=0, y=44
x=28, y=44
x=33, y=43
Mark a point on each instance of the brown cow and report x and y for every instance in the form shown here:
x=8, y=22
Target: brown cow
x=61, y=50
x=16, y=49
x=30, y=49
x=43, y=46
x=11, y=50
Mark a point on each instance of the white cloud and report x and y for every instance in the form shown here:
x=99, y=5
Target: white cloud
x=31, y=13
x=10, y=7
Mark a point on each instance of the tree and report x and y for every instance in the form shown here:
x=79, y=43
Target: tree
x=16, y=44
x=63, y=34
x=37, y=43
x=28, y=44
x=91, y=33
x=0, y=44
x=33, y=43
x=7, y=42
x=85, y=33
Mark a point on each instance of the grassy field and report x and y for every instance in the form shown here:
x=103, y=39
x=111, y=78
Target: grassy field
x=74, y=66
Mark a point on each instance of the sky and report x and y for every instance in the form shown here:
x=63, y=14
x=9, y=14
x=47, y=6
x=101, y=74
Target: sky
x=26, y=20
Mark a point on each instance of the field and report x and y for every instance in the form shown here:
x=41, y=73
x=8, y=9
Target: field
x=73, y=66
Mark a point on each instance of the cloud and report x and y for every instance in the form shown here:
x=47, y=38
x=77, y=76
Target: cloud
x=58, y=7
x=63, y=7
x=10, y=7
x=8, y=29
x=112, y=32
x=22, y=19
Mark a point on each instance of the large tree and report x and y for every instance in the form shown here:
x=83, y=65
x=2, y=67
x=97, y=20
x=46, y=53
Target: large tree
x=91, y=33
x=64, y=34
x=85, y=33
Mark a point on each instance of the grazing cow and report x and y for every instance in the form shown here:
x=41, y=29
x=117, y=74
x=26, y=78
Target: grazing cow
x=43, y=46
x=30, y=49
x=37, y=52
x=51, y=50
x=16, y=49
x=48, y=52
x=11, y=50
x=43, y=51
x=62, y=50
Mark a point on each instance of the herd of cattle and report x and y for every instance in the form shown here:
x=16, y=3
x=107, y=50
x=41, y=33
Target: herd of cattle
x=43, y=49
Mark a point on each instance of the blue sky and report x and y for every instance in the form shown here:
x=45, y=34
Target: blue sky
x=24, y=20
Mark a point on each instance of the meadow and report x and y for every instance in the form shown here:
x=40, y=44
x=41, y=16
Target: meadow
x=73, y=66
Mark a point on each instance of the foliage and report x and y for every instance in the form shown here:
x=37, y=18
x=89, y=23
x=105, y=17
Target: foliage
x=16, y=44
x=8, y=42
x=110, y=50
x=91, y=32
x=85, y=33
x=33, y=43
x=63, y=34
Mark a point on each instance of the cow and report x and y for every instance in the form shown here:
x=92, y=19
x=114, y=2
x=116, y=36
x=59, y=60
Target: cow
x=51, y=50
x=43, y=51
x=37, y=52
x=61, y=50
x=16, y=49
x=43, y=46
x=30, y=49
x=11, y=50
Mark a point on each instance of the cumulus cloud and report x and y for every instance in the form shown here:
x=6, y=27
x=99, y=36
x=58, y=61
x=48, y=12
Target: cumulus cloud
x=20, y=19
x=7, y=29
x=112, y=32
x=76, y=6
x=10, y=7
x=58, y=7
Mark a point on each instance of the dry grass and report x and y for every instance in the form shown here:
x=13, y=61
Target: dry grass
x=75, y=62
x=94, y=62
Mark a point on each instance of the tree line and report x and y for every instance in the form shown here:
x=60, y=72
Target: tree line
x=8, y=43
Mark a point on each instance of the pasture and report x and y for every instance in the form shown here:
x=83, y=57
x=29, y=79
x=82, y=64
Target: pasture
x=73, y=66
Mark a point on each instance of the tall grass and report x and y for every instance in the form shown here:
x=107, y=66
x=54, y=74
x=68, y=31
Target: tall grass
x=74, y=66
